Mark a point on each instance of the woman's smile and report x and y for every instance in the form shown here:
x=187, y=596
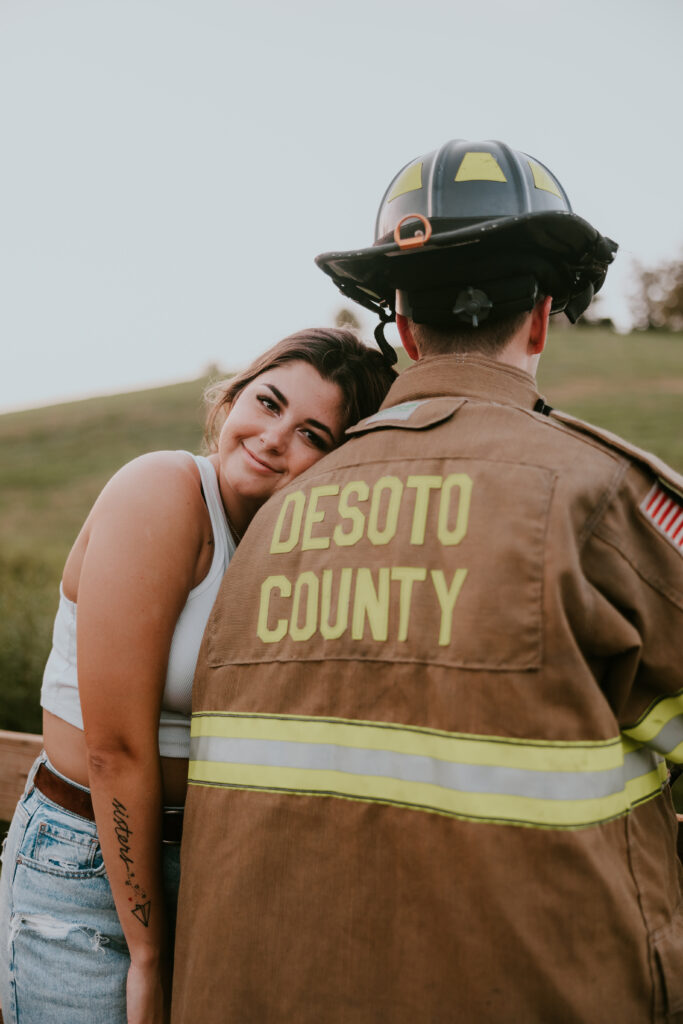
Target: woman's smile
x=260, y=464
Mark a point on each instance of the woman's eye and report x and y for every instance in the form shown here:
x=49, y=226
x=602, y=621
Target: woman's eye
x=268, y=403
x=316, y=440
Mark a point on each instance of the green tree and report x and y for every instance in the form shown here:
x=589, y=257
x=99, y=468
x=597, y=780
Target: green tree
x=657, y=299
x=345, y=317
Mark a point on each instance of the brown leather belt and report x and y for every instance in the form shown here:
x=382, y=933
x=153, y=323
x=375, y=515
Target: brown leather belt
x=78, y=801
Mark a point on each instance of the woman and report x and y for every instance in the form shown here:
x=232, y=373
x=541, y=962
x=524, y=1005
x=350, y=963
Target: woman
x=91, y=867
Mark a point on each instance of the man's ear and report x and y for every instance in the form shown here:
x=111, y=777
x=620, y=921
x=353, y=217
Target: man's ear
x=538, y=326
x=407, y=339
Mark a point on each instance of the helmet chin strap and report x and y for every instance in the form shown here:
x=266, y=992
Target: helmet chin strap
x=401, y=303
x=387, y=350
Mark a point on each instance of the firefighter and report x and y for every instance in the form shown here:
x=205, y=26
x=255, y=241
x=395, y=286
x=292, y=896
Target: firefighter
x=442, y=676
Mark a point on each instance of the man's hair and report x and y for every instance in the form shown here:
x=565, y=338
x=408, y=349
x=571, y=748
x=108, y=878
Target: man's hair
x=488, y=338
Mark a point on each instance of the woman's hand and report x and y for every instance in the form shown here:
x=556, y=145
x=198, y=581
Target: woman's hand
x=147, y=997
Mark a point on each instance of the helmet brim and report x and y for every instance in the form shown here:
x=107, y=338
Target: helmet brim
x=372, y=275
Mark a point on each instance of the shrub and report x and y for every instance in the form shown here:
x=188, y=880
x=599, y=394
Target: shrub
x=28, y=601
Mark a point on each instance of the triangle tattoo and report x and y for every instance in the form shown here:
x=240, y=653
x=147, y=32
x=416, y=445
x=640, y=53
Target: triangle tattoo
x=142, y=911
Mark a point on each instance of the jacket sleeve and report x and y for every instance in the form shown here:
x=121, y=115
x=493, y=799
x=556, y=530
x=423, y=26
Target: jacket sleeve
x=633, y=558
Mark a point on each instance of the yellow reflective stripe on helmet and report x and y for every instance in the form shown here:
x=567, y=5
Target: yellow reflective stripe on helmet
x=409, y=181
x=479, y=166
x=661, y=727
x=534, y=783
x=543, y=180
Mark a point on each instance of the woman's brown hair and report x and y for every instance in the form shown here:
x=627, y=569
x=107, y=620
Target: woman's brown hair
x=361, y=373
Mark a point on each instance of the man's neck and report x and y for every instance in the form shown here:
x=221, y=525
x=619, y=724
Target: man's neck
x=518, y=356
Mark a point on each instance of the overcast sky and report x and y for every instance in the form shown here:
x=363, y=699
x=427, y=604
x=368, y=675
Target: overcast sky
x=170, y=168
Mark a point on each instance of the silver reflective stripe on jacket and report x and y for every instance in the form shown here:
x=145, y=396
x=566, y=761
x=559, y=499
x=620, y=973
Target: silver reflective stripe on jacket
x=490, y=778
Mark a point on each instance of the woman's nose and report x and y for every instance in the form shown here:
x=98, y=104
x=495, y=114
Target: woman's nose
x=274, y=436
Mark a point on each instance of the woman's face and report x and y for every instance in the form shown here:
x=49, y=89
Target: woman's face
x=280, y=424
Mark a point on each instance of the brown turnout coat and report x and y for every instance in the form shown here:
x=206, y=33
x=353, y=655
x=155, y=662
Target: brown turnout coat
x=430, y=709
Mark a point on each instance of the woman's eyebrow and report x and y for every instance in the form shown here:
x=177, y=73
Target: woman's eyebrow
x=281, y=398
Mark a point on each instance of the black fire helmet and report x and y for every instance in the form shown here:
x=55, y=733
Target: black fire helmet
x=473, y=231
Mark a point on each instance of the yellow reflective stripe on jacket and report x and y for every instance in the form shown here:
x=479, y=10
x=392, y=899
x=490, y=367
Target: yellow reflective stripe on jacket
x=661, y=727
x=485, y=778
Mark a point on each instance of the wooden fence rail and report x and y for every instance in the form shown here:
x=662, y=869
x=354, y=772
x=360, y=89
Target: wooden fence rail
x=18, y=751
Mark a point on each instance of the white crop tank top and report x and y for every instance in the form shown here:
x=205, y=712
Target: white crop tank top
x=59, y=693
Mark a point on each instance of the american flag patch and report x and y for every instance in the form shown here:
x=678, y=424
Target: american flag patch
x=665, y=510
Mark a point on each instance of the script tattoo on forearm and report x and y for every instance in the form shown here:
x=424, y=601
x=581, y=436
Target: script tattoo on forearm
x=123, y=832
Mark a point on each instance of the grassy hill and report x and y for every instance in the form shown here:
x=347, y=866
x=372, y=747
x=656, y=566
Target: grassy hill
x=54, y=462
x=630, y=384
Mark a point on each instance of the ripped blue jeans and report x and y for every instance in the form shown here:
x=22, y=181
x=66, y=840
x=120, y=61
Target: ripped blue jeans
x=63, y=956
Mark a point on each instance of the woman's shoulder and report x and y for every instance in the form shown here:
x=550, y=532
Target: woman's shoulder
x=152, y=505
x=161, y=462
x=176, y=470
x=163, y=486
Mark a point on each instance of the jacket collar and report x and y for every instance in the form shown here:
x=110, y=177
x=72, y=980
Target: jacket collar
x=467, y=374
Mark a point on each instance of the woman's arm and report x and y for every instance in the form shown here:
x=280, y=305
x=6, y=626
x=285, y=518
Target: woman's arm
x=145, y=537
